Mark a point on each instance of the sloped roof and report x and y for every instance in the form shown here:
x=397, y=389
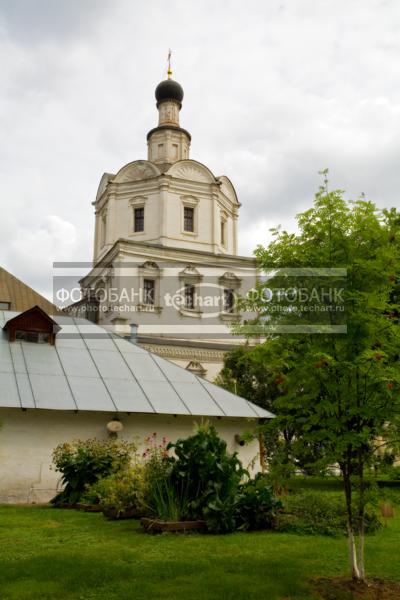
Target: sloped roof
x=92, y=369
x=20, y=296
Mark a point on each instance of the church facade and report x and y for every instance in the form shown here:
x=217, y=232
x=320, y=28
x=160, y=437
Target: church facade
x=165, y=265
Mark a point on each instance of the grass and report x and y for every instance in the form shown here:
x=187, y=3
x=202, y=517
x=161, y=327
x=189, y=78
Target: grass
x=48, y=553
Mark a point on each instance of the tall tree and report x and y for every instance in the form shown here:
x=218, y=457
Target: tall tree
x=329, y=311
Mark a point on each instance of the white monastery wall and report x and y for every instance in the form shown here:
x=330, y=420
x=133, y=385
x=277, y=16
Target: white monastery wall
x=28, y=438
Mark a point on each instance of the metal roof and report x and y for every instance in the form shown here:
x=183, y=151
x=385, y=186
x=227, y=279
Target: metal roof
x=89, y=368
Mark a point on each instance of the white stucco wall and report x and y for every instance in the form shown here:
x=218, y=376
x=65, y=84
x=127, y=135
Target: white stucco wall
x=27, y=440
x=163, y=197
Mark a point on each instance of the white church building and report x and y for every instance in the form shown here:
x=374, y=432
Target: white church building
x=165, y=276
x=165, y=262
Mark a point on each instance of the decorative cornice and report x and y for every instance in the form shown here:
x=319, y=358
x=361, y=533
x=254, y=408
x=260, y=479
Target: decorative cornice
x=183, y=353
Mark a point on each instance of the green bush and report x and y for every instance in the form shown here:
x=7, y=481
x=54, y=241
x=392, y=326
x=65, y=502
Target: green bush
x=162, y=500
x=120, y=492
x=256, y=506
x=209, y=477
x=320, y=513
x=201, y=480
x=394, y=473
x=83, y=462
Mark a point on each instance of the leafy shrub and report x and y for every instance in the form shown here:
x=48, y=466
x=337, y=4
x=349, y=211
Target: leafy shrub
x=162, y=500
x=165, y=502
x=220, y=514
x=256, y=506
x=209, y=477
x=120, y=492
x=203, y=481
x=394, y=473
x=83, y=462
x=320, y=513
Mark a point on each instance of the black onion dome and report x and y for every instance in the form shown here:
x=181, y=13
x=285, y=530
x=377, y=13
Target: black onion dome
x=169, y=90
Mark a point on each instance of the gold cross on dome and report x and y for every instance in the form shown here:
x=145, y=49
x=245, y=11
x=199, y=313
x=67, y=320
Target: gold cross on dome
x=169, y=64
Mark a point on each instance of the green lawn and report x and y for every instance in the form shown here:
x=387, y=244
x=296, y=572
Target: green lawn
x=48, y=553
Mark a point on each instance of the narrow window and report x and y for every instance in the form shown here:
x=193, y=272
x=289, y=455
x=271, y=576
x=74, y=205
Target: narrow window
x=229, y=300
x=223, y=233
x=160, y=150
x=148, y=291
x=189, y=296
x=139, y=219
x=188, y=218
x=32, y=336
x=103, y=228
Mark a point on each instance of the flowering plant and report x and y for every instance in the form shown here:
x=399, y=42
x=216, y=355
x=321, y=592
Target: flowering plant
x=83, y=462
x=119, y=492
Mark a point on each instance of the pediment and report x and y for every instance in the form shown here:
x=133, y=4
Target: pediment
x=230, y=279
x=190, y=272
x=191, y=170
x=136, y=171
x=106, y=178
x=227, y=189
x=150, y=265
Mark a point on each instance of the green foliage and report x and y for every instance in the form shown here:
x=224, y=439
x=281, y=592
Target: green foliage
x=220, y=514
x=209, y=475
x=332, y=372
x=394, y=473
x=119, y=492
x=162, y=499
x=165, y=502
x=321, y=513
x=201, y=480
x=256, y=506
x=83, y=462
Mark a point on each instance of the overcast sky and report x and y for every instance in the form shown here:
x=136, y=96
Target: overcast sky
x=275, y=90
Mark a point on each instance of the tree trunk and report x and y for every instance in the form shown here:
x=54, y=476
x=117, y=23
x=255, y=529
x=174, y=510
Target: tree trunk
x=361, y=517
x=355, y=571
x=361, y=543
x=354, y=568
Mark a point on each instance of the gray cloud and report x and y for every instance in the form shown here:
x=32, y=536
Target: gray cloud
x=274, y=92
x=37, y=21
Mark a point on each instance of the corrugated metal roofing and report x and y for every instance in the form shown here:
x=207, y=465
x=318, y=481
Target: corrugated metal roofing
x=91, y=369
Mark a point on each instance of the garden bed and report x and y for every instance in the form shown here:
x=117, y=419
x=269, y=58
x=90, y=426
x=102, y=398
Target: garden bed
x=128, y=513
x=79, y=506
x=157, y=526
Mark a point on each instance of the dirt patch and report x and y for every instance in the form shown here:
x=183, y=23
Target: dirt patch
x=340, y=588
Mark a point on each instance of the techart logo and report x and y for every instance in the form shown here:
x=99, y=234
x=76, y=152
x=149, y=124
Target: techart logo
x=207, y=300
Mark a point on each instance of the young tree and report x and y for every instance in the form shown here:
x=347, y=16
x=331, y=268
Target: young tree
x=329, y=310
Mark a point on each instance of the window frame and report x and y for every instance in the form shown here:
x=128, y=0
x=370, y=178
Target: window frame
x=33, y=337
x=223, y=235
x=103, y=227
x=229, y=309
x=152, y=272
x=188, y=217
x=189, y=285
x=192, y=203
x=145, y=292
x=142, y=218
x=134, y=203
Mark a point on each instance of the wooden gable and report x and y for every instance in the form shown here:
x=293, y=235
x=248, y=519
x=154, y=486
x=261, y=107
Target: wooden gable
x=32, y=325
